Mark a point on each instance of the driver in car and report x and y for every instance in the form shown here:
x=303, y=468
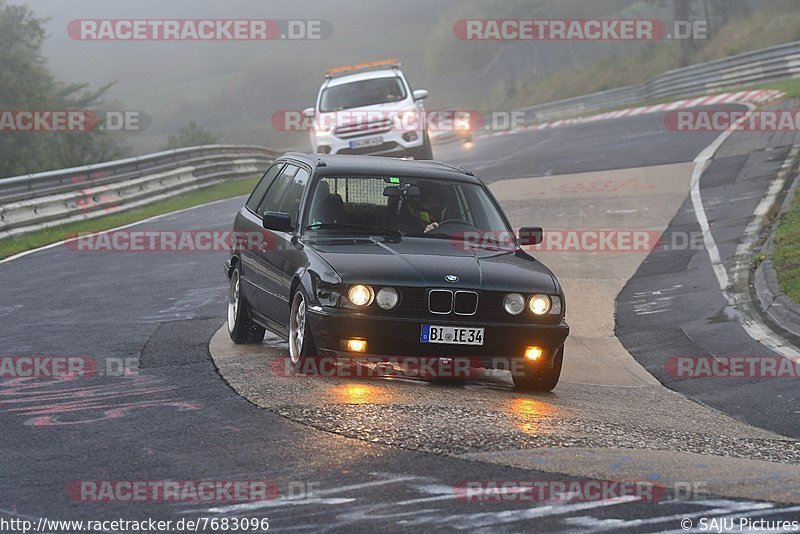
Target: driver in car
x=426, y=210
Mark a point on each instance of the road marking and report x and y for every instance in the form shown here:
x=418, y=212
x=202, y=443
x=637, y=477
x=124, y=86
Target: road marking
x=8, y=310
x=245, y=507
x=656, y=301
x=753, y=325
x=486, y=519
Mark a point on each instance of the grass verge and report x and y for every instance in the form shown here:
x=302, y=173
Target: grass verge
x=40, y=238
x=786, y=250
x=790, y=87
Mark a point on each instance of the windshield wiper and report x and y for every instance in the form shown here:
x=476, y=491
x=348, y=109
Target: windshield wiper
x=363, y=227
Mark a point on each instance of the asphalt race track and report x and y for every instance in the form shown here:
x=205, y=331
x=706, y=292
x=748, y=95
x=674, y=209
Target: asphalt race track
x=363, y=455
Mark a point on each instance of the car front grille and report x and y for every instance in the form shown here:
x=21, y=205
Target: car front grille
x=359, y=129
x=465, y=303
x=440, y=301
x=452, y=304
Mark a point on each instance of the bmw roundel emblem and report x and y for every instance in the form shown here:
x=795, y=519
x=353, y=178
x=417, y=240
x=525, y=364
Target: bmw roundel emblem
x=452, y=278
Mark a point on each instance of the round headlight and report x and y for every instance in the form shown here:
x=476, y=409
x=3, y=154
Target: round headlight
x=539, y=304
x=360, y=295
x=387, y=298
x=514, y=303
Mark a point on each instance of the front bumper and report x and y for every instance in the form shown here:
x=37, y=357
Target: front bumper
x=391, y=337
x=393, y=143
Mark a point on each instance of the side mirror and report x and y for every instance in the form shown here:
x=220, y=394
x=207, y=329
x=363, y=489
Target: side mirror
x=308, y=113
x=275, y=220
x=420, y=94
x=531, y=235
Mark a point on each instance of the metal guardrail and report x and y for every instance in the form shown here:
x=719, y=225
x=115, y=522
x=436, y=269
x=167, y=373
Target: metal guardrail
x=761, y=66
x=46, y=199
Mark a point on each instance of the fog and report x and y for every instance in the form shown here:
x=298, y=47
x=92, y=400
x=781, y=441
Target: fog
x=232, y=88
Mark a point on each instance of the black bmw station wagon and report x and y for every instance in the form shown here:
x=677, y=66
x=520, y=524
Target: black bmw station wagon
x=377, y=257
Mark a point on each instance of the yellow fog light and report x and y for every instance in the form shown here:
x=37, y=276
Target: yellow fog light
x=361, y=295
x=356, y=345
x=533, y=353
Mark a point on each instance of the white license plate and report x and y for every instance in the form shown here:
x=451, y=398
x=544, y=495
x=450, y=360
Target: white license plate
x=451, y=335
x=369, y=141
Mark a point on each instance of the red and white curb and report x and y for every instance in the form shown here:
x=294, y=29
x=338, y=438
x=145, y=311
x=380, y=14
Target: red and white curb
x=759, y=96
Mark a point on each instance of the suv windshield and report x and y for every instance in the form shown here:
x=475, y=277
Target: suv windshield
x=419, y=207
x=362, y=93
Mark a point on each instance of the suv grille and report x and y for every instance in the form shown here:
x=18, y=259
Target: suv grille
x=359, y=128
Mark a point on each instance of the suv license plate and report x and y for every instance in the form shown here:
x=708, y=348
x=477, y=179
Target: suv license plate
x=369, y=141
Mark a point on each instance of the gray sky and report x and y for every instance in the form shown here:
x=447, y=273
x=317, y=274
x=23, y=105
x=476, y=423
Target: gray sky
x=222, y=84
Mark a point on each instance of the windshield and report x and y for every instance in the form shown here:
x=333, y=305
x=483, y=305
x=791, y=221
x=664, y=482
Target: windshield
x=419, y=207
x=362, y=93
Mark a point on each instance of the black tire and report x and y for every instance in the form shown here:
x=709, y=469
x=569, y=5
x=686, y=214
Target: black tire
x=299, y=355
x=425, y=152
x=537, y=379
x=243, y=331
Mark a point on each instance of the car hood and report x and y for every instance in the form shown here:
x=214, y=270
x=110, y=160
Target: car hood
x=426, y=262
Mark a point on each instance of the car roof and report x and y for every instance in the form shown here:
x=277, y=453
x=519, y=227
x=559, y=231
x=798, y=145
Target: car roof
x=331, y=164
x=359, y=76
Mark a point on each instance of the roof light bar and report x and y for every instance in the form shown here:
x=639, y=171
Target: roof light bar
x=349, y=69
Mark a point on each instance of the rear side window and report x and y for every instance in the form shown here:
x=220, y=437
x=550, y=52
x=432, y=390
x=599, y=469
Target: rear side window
x=272, y=200
x=258, y=193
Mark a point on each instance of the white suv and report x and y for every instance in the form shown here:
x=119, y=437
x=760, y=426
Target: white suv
x=369, y=109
